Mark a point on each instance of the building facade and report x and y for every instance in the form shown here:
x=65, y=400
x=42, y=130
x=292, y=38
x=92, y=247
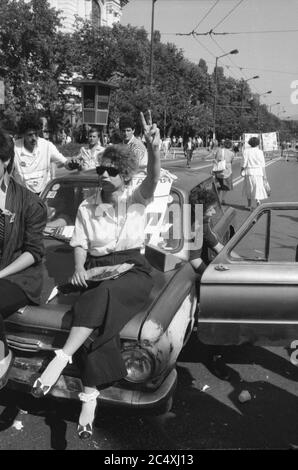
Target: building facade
x=100, y=12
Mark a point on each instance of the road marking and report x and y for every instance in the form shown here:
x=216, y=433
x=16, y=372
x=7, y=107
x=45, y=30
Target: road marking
x=239, y=179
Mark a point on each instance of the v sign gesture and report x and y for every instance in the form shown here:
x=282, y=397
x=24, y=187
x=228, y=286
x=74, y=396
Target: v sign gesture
x=151, y=131
x=152, y=136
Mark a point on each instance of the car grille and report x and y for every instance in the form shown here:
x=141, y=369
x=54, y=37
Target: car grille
x=29, y=344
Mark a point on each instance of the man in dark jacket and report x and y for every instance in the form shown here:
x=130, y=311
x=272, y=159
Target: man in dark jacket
x=22, y=220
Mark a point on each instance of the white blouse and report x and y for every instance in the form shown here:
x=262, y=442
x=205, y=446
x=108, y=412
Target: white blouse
x=101, y=229
x=253, y=161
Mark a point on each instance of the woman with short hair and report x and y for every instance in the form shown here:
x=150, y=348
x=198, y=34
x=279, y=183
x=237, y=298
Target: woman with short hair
x=225, y=177
x=109, y=230
x=253, y=170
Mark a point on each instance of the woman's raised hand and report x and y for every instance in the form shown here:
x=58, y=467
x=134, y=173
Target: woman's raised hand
x=151, y=131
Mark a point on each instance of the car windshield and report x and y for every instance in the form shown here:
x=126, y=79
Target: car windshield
x=62, y=199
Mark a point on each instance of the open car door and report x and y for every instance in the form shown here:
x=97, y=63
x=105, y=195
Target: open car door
x=249, y=293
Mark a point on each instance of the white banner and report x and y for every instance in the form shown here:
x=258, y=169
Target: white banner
x=269, y=141
x=247, y=137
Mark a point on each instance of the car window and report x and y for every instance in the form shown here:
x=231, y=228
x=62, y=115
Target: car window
x=272, y=237
x=170, y=233
x=63, y=199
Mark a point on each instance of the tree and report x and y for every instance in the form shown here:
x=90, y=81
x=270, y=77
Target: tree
x=35, y=55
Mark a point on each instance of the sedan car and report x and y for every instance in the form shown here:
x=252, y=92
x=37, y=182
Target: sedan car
x=153, y=339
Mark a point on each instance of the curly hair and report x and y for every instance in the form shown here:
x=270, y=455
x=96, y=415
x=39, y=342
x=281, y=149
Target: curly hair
x=6, y=149
x=30, y=121
x=227, y=144
x=201, y=196
x=254, y=141
x=126, y=122
x=122, y=158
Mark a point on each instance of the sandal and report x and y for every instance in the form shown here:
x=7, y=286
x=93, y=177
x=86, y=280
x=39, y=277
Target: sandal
x=85, y=431
x=39, y=388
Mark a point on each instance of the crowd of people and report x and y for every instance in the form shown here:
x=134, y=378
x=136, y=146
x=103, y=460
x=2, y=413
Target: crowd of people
x=26, y=166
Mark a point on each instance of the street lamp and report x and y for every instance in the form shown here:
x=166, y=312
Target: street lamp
x=151, y=46
x=234, y=51
x=262, y=94
x=272, y=106
x=242, y=89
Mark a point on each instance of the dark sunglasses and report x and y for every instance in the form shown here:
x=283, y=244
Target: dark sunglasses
x=109, y=169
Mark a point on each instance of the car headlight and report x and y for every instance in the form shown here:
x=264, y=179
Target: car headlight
x=138, y=363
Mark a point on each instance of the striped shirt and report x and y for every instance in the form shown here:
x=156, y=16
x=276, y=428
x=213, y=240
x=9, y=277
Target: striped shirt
x=3, y=187
x=2, y=227
x=139, y=150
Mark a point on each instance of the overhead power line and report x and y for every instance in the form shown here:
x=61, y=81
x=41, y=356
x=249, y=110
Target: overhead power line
x=208, y=12
x=228, y=14
x=211, y=32
x=253, y=32
x=206, y=48
x=259, y=70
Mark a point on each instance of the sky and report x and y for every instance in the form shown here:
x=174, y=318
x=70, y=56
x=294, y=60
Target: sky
x=271, y=55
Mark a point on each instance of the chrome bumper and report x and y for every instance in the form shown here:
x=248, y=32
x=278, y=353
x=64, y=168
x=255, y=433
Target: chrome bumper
x=24, y=373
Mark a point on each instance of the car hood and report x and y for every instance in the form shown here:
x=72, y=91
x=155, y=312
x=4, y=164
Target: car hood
x=57, y=314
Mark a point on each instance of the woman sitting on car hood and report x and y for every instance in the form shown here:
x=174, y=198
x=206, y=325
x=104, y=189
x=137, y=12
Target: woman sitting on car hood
x=109, y=230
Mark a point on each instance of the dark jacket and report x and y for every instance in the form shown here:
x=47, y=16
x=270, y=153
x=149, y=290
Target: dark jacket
x=23, y=232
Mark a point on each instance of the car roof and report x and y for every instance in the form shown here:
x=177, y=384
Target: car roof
x=186, y=178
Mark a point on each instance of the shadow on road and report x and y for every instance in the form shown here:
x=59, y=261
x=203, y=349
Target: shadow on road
x=201, y=417
x=196, y=351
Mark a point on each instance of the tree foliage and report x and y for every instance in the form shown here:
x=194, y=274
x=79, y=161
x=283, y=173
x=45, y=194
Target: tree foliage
x=33, y=55
x=38, y=62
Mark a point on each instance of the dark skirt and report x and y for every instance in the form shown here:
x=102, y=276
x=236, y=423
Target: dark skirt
x=106, y=308
x=225, y=184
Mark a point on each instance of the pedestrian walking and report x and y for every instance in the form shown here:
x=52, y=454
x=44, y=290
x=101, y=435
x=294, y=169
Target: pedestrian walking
x=34, y=156
x=253, y=170
x=224, y=175
x=166, y=145
x=22, y=220
x=109, y=229
x=188, y=151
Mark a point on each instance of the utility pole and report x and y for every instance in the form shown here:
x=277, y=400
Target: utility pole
x=151, y=47
x=234, y=51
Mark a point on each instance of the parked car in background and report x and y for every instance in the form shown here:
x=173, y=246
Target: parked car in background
x=153, y=339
